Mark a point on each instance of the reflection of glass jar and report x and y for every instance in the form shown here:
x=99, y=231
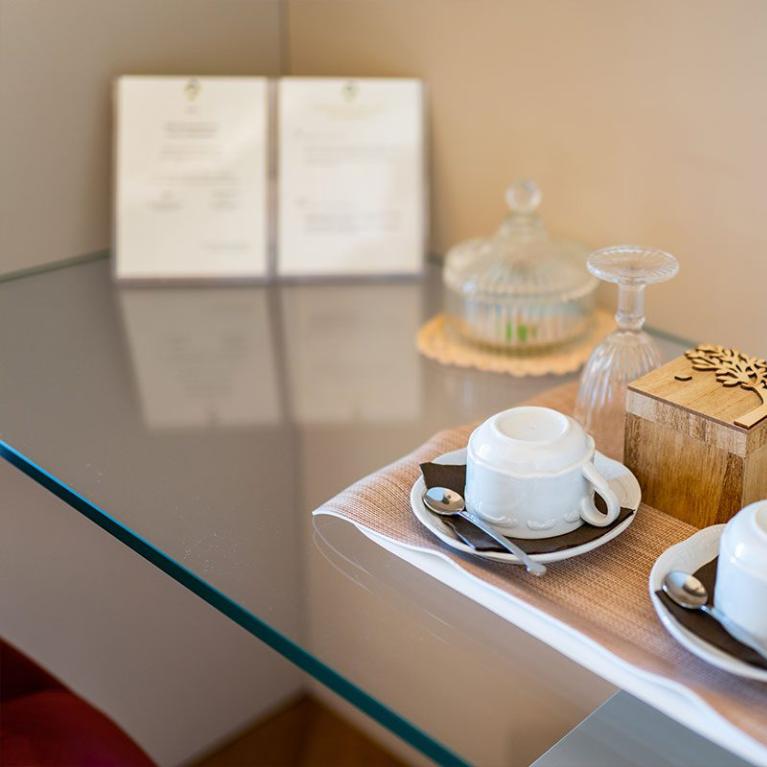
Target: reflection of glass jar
x=519, y=290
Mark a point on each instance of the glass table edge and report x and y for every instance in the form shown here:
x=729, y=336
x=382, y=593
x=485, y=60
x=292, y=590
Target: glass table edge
x=244, y=618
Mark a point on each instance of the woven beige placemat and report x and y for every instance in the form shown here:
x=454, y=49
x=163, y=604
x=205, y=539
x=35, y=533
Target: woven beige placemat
x=603, y=594
x=439, y=342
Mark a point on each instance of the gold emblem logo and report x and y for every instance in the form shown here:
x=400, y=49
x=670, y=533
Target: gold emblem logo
x=350, y=90
x=192, y=89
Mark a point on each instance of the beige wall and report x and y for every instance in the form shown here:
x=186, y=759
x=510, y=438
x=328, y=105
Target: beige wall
x=644, y=121
x=57, y=61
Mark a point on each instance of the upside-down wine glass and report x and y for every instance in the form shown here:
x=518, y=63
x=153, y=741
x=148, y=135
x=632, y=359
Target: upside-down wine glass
x=628, y=352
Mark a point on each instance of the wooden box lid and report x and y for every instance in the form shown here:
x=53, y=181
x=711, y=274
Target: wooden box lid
x=702, y=393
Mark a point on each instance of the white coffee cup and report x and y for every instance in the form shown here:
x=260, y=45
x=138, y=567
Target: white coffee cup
x=741, y=574
x=530, y=473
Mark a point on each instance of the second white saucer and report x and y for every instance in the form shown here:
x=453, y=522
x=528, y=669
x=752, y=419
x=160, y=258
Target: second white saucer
x=689, y=556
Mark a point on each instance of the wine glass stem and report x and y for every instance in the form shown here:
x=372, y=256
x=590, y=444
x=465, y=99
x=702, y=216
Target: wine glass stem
x=630, y=314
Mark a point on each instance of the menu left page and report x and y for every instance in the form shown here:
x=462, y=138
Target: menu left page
x=191, y=165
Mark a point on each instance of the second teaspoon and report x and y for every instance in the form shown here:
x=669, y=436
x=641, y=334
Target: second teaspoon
x=688, y=592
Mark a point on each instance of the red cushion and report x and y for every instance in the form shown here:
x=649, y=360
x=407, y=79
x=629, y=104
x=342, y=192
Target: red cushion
x=20, y=676
x=43, y=724
x=57, y=729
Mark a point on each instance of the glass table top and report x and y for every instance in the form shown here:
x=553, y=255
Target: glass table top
x=201, y=426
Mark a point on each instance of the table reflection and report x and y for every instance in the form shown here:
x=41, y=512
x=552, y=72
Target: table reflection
x=202, y=357
x=344, y=352
x=222, y=357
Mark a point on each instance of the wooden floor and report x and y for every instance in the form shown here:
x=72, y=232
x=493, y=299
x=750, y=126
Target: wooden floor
x=303, y=734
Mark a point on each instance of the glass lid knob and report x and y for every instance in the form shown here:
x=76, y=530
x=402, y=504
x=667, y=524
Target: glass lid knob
x=523, y=196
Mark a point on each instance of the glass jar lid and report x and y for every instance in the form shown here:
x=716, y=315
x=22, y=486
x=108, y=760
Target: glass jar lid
x=521, y=259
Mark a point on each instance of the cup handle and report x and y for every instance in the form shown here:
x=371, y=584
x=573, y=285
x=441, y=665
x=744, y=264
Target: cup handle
x=589, y=512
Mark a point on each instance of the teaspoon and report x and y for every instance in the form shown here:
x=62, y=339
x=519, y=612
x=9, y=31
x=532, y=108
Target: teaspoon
x=688, y=592
x=448, y=503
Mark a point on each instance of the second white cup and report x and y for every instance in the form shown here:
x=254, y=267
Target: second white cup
x=741, y=578
x=530, y=473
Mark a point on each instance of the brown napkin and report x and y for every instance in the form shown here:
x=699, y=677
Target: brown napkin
x=454, y=478
x=705, y=627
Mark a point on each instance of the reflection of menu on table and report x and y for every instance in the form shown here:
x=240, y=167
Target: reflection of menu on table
x=191, y=167
x=202, y=357
x=351, y=197
x=344, y=352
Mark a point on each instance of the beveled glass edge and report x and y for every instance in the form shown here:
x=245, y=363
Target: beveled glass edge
x=53, y=266
x=270, y=636
x=673, y=338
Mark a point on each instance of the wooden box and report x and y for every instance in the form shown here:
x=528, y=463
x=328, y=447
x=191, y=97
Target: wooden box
x=696, y=434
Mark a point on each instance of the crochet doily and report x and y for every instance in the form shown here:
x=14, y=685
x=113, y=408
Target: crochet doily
x=438, y=341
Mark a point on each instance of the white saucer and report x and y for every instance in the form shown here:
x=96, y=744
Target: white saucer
x=689, y=556
x=620, y=479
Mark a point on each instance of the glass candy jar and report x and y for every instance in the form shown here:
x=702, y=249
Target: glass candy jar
x=520, y=290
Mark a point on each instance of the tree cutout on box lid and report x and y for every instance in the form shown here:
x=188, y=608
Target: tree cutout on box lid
x=733, y=368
